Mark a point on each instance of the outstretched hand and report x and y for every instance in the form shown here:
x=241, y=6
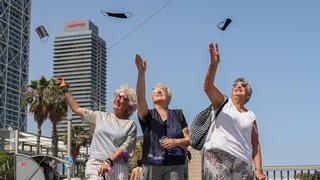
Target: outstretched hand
x=60, y=83
x=214, y=54
x=141, y=64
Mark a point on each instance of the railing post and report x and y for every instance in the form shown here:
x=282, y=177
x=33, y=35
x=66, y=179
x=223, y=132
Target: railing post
x=17, y=142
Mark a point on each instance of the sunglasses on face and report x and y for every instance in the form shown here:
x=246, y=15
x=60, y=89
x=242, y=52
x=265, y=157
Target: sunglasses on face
x=120, y=97
x=159, y=90
x=244, y=85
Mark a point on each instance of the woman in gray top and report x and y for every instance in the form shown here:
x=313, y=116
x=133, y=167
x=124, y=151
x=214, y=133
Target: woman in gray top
x=114, y=136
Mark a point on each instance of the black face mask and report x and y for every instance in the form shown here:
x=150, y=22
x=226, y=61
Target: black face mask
x=117, y=15
x=224, y=24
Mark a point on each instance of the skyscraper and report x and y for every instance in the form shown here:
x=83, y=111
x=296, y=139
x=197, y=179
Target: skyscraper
x=80, y=57
x=14, y=61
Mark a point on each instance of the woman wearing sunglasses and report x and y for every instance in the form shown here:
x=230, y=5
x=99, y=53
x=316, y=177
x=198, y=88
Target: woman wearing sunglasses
x=166, y=134
x=114, y=135
x=233, y=142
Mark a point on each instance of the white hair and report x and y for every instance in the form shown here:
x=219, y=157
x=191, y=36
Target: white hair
x=249, y=88
x=132, y=97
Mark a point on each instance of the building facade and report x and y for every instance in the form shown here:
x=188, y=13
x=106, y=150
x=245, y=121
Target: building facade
x=14, y=61
x=80, y=57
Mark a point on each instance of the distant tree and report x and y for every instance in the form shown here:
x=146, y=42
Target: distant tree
x=307, y=176
x=6, y=166
x=136, y=156
x=57, y=109
x=35, y=97
x=79, y=138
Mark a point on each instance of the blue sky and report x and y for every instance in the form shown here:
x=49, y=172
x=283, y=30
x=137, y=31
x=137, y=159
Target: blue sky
x=274, y=44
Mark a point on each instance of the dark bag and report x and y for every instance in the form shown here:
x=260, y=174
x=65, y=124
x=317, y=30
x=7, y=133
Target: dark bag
x=201, y=125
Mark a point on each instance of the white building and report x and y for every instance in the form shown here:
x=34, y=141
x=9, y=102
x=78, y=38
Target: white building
x=80, y=57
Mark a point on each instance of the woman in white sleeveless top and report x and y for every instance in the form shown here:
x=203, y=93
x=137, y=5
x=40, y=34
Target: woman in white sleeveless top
x=233, y=142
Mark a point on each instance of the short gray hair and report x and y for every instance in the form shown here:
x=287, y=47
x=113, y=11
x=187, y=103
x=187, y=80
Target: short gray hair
x=249, y=88
x=132, y=97
x=168, y=90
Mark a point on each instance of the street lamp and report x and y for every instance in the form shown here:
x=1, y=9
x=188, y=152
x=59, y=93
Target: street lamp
x=69, y=118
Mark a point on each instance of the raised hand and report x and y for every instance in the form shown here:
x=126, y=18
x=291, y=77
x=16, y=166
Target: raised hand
x=214, y=54
x=60, y=83
x=141, y=64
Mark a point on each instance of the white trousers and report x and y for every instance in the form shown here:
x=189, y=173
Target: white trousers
x=93, y=165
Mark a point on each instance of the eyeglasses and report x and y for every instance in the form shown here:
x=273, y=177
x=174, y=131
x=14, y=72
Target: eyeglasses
x=240, y=85
x=159, y=90
x=122, y=98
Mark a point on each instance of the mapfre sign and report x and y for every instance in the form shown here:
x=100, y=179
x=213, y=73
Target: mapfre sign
x=78, y=24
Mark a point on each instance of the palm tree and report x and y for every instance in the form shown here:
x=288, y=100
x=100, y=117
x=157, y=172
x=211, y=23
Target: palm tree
x=137, y=155
x=79, y=138
x=57, y=109
x=35, y=97
x=6, y=166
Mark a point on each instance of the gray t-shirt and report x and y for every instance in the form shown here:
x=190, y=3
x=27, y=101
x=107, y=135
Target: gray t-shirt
x=111, y=133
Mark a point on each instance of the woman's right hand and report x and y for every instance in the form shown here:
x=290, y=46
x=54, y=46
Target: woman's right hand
x=60, y=83
x=141, y=64
x=260, y=175
x=214, y=54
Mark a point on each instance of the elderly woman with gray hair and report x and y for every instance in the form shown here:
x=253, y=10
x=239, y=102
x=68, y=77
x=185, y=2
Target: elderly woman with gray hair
x=232, y=142
x=114, y=136
x=165, y=130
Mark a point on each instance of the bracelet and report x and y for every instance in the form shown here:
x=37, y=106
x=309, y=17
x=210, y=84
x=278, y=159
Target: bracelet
x=109, y=167
x=109, y=161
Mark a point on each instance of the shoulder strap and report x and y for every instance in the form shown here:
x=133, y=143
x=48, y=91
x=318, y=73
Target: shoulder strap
x=220, y=108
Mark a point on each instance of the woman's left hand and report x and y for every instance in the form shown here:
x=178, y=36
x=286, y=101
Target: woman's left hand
x=260, y=176
x=169, y=144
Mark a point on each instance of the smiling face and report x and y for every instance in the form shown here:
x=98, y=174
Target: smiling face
x=161, y=94
x=121, y=102
x=241, y=90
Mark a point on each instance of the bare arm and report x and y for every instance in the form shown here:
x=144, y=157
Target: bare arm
x=133, y=174
x=74, y=105
x=216, y=97
x=117, y=155
x=141, y=87
x=184, y=142
x=181, y=142
x=60, y=83
x=256, y=154
x=114, y=157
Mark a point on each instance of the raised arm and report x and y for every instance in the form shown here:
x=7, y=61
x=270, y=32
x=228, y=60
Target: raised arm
x=72, y=103
x=256, y=154
x=216, y=97
x=141, y=87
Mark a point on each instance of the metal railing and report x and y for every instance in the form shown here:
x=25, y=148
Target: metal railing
x=304, y=172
